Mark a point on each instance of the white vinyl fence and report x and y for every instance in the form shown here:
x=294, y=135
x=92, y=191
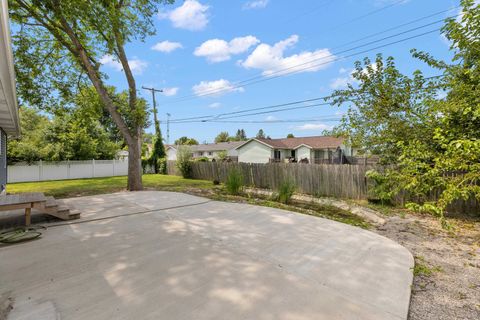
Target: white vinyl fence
x=42, y=170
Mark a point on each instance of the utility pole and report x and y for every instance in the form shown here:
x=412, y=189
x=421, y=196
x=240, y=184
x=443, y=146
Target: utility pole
x=168, y=128
x=155, y=120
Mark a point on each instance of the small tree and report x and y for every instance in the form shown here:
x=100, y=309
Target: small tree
x=184, y=161
x=222, y=137
x=260, y=134
x=59, y=46
x=222, y=155
x=290, y=135
x=240, y=135
x=186, y=141
x=158, y=152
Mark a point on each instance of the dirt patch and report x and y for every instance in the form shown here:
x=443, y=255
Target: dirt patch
x=447, y=273
x=6, y=305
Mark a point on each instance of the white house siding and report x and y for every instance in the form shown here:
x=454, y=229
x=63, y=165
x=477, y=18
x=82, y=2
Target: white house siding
x=302, y=153
x=255, y=152
x=171, y=154
x=233, y=153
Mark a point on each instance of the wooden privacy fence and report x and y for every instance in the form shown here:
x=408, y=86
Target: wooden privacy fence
x=341, y=181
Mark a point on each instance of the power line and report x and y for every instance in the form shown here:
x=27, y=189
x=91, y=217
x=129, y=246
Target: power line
x=272, y=121
x=241, y=113
x=366, y=15
x=253, y=109
x=281, y=72
x=398, y=26
x=354, y=54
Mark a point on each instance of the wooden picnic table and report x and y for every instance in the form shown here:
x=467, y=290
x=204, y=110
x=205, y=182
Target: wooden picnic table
x=25, y=201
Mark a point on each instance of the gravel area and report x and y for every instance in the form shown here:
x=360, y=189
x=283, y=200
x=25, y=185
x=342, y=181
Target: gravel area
x=447, y=273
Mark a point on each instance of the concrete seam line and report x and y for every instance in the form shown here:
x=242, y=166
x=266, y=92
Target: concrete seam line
x=125, y=214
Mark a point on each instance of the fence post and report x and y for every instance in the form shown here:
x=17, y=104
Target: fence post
x=40, y=169
x=68, y=169
x=93, y=168
x=113, y=166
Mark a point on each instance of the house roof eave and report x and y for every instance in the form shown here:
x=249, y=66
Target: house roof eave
x=253, y=139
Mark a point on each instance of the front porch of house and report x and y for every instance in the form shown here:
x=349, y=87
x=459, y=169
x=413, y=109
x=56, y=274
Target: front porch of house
x=306, y=155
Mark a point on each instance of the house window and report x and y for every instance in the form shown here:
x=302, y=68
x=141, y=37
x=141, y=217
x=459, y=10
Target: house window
x=210, y=153
x=200, y=154
x=276, y=154
x=292, y=154
x=319, y=154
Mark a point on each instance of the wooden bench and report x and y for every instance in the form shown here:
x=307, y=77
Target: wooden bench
x=25, y=201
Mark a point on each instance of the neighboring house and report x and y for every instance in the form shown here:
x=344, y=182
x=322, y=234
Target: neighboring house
x=171, y=151
x=121, y=155
x=209, y=150
x=9, y=120
x=319, y=149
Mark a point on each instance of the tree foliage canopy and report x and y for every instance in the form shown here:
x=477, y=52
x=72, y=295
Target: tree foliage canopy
x=186, y=141
x=432, y=139
x=58, y=48
x=77, y=135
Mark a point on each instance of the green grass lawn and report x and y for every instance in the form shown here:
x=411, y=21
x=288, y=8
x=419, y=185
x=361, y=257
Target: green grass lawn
x=84, y=187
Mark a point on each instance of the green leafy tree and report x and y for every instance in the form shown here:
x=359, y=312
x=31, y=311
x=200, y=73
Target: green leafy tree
x=186, y=141
x=240, y=135
x=184, y=161
x=387, y=107
x=435, y=144
x=449, y=161
x=222, y=137
x=158, y=151
x=59, y=45
x=30, y=146
x=68, y=135
x=290, y=135
x=260, y=134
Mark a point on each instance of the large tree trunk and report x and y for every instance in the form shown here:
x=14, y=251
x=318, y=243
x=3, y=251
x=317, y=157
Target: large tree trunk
x=135, y=165
x=133, y=136
x=133, y=139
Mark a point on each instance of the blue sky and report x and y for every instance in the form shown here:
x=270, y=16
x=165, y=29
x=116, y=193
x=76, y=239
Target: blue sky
x=203, y=46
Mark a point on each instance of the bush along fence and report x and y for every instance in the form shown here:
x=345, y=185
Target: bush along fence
x=341, y=181
x=321, y=180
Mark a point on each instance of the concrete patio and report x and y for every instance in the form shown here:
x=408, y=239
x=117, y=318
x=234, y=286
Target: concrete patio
x=162, y=255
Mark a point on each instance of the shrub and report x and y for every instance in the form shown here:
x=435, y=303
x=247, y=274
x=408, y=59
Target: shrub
x=162, y=165
x=202, y=159
x=285, y=191
x=234, y=183
x=222, y=155
x=184, y=161
x=382, y=186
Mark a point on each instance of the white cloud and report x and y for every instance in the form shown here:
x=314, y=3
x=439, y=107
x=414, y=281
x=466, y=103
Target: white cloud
x=215, y=105
x=313, y=127
x=136, y=65
x=271, y=59
x=215, y=88
x=271, y=118
x=217, y=50
x=343, y=81
x=168, y=92
x=191, y=15
x=167, y=46
x=255, y=4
